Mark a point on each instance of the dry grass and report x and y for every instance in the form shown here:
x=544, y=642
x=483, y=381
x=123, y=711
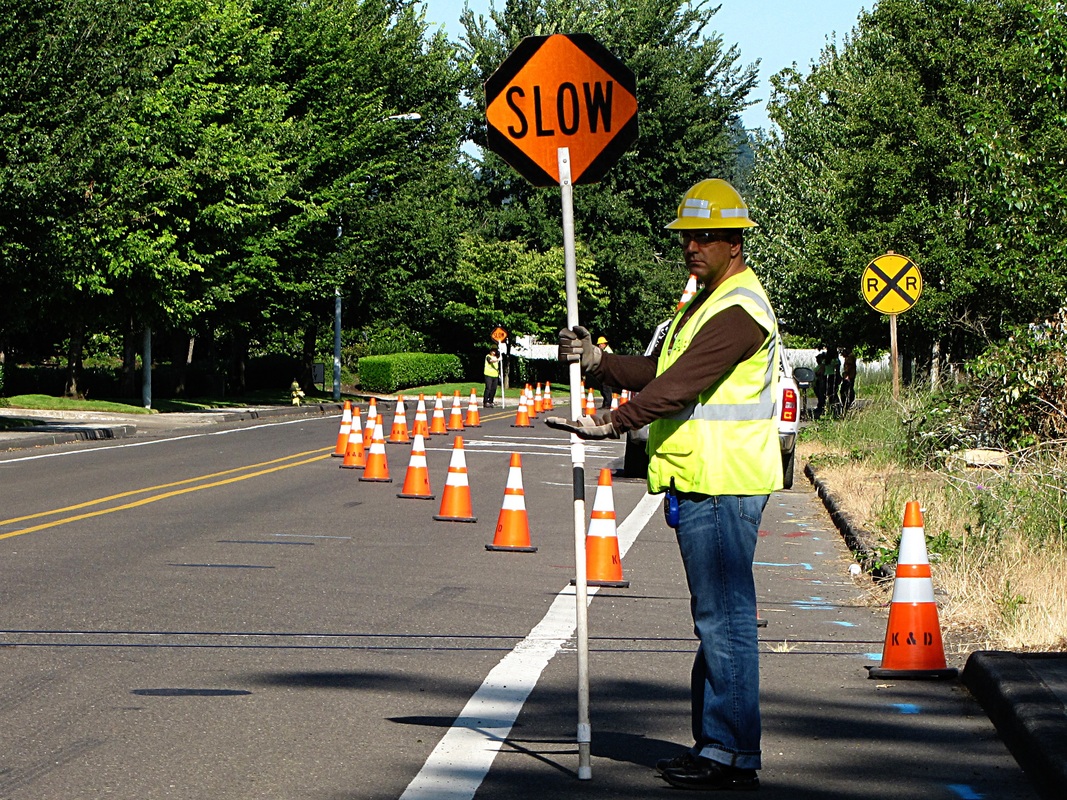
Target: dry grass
x=996, y=540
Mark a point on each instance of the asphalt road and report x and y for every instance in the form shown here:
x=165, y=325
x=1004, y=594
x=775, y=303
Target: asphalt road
x=230, y=615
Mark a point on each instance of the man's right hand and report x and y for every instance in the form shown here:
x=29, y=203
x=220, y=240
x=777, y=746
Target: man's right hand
x=575, y=344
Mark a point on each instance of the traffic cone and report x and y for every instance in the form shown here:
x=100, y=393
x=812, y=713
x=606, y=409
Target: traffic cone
x=455, y=419
x=590, y=404
x=421, y=426
x=625, y=398
x=355, y=454
x=614, y=400
x=539, y=401
x=437, y=424
x=399, y=432
x=522, y=416
x=549, y=405
x=530, y=402
x=377, y=468
x=689, y=292
x=372, y=420
x=474, y=419
x=512, y=526
x=913, y=647
x=346, y=427
x=417, y=479
x=456, y=498
x=603, y=564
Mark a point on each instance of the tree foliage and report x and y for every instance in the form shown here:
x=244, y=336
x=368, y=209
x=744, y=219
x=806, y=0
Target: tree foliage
x=934, y=130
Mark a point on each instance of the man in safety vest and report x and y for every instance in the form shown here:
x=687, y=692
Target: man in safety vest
x=709, y=393
x=491, y=372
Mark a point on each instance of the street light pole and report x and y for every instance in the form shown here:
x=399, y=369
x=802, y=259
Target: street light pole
x=410, y=116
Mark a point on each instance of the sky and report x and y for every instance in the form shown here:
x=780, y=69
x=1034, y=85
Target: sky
x=775, y=32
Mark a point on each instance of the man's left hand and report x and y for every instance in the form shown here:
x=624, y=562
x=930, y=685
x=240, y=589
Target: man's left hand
x=598, y=426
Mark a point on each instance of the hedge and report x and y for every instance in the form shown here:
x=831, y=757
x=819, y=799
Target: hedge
x=403, y=370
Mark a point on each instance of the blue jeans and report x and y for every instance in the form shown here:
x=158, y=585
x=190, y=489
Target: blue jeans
x=717, y=538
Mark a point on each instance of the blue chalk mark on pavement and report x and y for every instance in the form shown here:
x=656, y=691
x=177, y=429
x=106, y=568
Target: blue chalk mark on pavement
x=842, y=623
x=964, y=792
x=906, y=708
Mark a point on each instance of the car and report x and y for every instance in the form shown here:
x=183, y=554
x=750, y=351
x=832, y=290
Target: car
x=787, y=410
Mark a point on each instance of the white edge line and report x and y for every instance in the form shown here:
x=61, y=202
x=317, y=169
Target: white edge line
x=460, y=761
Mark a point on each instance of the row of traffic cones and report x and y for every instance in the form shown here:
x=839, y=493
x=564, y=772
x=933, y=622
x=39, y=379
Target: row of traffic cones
x=603, y=561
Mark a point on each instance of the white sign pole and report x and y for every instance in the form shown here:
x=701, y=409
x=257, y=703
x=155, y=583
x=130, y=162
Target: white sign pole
x=585, y=733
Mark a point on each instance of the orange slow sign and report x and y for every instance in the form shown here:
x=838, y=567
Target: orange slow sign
x=564, y=90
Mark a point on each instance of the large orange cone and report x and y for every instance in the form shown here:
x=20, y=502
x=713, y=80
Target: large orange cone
x=355, y=454
x=437, y=424
x=399, y=432
x=417, y=479
x=522, y=415
x=913, y=647
x=474, y=419
x=372, y=420
x=421, y=426
x=455, y=419
x=377, y=468
x=530, y=402
x=539, y=401
x=346, y=427
x=549, y=405
x=603, y=564
x=456, y=499
x=513, y=526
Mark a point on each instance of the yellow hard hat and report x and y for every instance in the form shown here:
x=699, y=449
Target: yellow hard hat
x=601, y=340
x=712, y=203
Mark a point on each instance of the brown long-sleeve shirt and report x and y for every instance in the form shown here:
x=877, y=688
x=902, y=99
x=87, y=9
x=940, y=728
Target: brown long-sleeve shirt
x=728, y=338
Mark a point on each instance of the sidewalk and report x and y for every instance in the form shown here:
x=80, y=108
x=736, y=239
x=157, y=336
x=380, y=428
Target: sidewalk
x=1024, y=694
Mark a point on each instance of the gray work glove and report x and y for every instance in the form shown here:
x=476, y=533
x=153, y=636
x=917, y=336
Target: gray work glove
x=598, y=426
x=575, y=344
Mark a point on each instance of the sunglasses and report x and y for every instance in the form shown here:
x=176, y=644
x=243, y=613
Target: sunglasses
x=703, y=237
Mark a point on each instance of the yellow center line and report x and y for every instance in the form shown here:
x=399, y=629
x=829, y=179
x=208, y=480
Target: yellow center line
x=164, y=496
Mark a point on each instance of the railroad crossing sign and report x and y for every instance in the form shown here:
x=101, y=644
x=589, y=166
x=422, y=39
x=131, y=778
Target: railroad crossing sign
x=564, y=90
x=891, y=284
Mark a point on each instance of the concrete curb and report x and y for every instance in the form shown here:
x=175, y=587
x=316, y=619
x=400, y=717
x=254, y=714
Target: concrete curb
x=37, y=438
x=1029, y=717
x=855, y=537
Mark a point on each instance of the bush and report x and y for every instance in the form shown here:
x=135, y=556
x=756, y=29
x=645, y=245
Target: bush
x=403, y=370
x=1014, y=395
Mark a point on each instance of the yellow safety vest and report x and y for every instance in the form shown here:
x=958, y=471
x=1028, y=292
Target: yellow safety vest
x=726, y=443
x=491, y=370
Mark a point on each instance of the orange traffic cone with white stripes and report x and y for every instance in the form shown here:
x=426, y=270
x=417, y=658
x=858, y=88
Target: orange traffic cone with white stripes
x=455, y=419
x=513, y=526
x=689, y=292
x=548, y=404
x=539, y=400
x=417, y=479
x=355, y=457
x=474, y=419
x=456, y=498
x=603, y=564
x=372, y=420
x=590, y=404
x=399, y=432
x=346, y=427
x=522, y=415
x=377, y=469
x=437, y=421
x=913, y=647
x=530, y=402
x=421, y=425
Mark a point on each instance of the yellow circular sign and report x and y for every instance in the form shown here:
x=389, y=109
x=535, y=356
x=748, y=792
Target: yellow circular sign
x=891, y=284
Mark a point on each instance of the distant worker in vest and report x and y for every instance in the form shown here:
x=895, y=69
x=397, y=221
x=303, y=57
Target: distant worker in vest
x=606, y=392
x=492, y=378
x=708, y=392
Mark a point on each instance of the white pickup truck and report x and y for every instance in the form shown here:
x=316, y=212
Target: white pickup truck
x=787, y=409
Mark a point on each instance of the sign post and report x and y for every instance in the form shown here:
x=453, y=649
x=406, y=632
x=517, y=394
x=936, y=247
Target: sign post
x=891, y=284
x=561, y=109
